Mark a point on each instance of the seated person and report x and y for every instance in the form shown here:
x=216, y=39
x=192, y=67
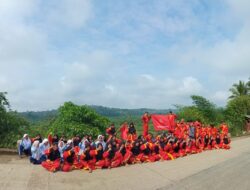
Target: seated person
x=36, y=156
x=25, y=146
x=53, y=163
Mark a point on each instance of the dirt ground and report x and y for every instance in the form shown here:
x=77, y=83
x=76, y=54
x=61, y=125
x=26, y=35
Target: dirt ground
x=214, y=169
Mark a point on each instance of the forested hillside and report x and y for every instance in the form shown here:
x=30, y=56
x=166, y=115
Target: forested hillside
x=112, y=113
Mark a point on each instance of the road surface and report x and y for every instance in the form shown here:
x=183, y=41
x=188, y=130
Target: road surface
x=216, y=169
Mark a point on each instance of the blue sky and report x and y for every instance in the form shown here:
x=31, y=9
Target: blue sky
x=127, y=54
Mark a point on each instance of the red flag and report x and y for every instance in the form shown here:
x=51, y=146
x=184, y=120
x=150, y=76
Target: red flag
x=161, y=122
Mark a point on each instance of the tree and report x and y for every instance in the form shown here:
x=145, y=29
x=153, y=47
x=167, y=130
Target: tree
x=239, y=89
x=236, y=110
x=205, y=107
x=191, y=113
x=73, y=119
x=11, y=123
x=4, y=103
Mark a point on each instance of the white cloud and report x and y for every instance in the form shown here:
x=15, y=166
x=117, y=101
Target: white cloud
x=219, y=97
x=69, y=13
x=142, y=56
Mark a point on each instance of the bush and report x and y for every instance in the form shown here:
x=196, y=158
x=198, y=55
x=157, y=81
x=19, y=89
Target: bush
x=73, y=119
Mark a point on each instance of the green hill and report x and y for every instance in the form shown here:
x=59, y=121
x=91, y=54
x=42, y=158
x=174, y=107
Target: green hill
x=112, y=113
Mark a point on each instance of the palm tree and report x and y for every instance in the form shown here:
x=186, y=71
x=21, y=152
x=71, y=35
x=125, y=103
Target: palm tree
x=239, y=89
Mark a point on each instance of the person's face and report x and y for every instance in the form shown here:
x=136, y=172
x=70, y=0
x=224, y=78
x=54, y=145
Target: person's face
x=27, y=137
x=46, y=144
x=100, y=138
x=100, y=147
x=109, y=146
x=60, y=144
x=55, y=147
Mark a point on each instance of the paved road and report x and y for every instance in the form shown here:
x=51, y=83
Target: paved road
x=217, y=169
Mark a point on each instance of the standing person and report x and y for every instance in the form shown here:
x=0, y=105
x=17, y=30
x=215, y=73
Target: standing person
x=132, y=136
x=192, y=131
x=110, y=131
x=172, y=117
x=145, y=120
x=25, y=146
x=124, y=131
x=224, y=129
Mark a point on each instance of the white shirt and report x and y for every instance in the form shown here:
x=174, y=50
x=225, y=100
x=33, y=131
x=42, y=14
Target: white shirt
x=26, y=143
x=43, y=148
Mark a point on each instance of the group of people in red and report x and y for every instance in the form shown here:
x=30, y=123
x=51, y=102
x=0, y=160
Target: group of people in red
x=130, y=148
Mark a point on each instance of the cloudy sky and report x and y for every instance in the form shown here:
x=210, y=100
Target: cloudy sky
x=127, y=54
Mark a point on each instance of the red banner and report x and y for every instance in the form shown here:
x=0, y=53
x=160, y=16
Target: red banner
x=161, y=122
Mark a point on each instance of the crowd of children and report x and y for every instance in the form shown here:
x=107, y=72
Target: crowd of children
x=111, y=151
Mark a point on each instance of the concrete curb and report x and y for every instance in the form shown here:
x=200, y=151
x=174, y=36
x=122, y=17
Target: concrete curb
x=8, y=151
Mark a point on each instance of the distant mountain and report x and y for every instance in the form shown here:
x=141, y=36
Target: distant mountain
x=38, y=116
x=116, y=112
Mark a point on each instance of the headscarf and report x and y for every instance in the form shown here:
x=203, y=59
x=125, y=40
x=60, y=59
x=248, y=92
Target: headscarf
x=35, y=151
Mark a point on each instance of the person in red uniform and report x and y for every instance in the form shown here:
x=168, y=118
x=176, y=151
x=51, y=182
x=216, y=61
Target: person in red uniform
x=226, y=142
x=218, y=142
x=172, y=117
x=135, y=152
x=132, y=136
x=111, y=131
x=109, y=154
x=213, y=131
x=100, y=162
x=52, y=164
x=70, y=158
x=145, y=155
x=124, y=131
x=87, y=159
x=224, y=129
x=145, y=120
